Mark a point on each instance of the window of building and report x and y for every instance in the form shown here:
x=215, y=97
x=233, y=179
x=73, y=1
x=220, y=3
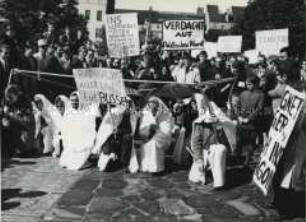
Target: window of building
x=99, y=15
x=99, y=32
x=87, y=14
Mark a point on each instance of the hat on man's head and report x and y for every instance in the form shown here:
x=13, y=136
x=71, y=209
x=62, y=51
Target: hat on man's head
x=42, y=42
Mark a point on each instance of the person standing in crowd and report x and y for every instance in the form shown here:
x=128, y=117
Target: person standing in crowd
x=116, y=64
x=204, y=67
x=28, y=62
x=17, y=120
x=165, y=74
x=250, y=117
x=109, y=63
x=78, y=61
x=290, y=175
x=303, y=70
x=179, y=71
x=9, y=38
x=90, y=59
x=65, y=61
x=5, y=68
x=41, y=56
x=286, y=63
x=186, y=72
x=54, y=61
x=127, y=72
x=50, y=35
x=145, y=72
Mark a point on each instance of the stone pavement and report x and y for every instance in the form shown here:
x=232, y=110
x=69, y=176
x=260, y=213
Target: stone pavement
x=39, y=190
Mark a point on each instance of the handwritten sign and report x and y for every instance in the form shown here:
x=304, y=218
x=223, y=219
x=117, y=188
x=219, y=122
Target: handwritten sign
x=230, y=44
x=279, y=134
x=252, y=55
x=183, y=34
x=270, y=42
x=122, y=35
x=99, y=85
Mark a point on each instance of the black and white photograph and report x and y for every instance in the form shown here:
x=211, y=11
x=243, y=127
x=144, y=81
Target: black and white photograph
x=153, y=110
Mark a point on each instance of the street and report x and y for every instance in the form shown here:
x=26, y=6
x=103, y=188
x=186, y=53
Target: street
x=37, y=189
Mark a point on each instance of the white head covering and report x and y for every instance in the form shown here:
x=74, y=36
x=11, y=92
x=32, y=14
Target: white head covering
x=48, y=108
x=65, y=100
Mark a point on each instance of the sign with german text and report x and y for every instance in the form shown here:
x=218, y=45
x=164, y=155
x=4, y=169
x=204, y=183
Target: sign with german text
x=279, y=134
x=122, y=35
x=230, y=44
x=270, y=42
x=183, y=34
x=99, y=85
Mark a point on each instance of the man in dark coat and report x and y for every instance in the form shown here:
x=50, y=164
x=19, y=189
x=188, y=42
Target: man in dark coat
x=250, y=115
x=4, y=68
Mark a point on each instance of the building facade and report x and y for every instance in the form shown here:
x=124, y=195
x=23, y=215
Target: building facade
x=94, y=11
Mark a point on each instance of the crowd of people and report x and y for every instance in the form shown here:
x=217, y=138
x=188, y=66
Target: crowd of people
x=200, y=130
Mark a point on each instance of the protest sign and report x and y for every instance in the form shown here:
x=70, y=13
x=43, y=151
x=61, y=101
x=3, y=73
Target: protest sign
x=99, y=85
x=183, y=34
x=271, y=41
x=212, y=49
x=230, y=44
x=122, y=35
x=279, y=134
x=252, y=55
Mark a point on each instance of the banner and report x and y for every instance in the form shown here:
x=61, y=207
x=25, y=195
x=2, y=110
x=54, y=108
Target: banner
x=122, y=35
x=99, y=85
x=271, y=41
x=252, y=55
x=183, y=34
x=230, y=44
x=279, y=134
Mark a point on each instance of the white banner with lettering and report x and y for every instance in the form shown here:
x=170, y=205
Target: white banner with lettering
x=122, y=35
x=230, y=44
x=183, y=34
x=270, y=42
x=279, y=134
x=99, y=85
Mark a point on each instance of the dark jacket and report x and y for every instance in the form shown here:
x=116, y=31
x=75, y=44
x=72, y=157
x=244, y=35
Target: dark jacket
x=251, y=106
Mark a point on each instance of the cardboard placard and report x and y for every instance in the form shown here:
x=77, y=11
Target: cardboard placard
x=252, y=55
x=122, y=35
x=279, y=134
x=230, y=44
x=99, y=85
x=183, y=34
x=270, y=42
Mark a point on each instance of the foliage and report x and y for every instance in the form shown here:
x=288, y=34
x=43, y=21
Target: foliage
x=274, y=14
x=30, y=17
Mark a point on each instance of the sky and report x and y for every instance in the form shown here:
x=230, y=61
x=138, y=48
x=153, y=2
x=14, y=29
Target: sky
x=176, y=5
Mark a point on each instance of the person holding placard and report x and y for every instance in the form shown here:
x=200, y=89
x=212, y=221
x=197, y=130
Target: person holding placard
x=290, y=176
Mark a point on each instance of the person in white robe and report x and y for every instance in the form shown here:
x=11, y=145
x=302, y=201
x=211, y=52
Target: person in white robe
x=155, y=129
x=208, y=143
x=63, y=105
x=78, y=135
x=118, y=126
x=45, y=116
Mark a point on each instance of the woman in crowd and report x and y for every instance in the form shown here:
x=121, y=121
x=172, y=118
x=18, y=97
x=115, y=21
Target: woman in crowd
x=78, y=135
x=18, y=123
x=155, y=129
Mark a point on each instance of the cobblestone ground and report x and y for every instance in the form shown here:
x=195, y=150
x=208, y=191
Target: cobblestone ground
x=39, y=190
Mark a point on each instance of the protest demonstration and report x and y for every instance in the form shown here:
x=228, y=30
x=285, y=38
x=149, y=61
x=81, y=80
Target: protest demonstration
x=151, y=110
